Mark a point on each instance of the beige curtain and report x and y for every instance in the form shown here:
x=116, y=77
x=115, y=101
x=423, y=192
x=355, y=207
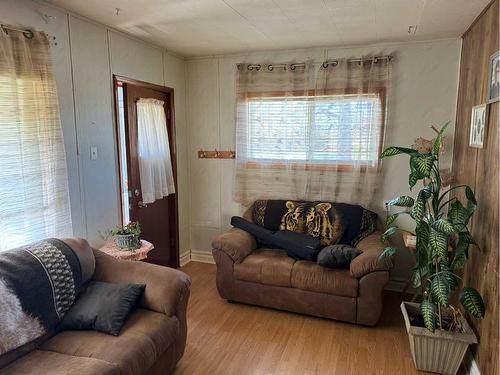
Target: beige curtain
x=34, y=199
x=310, y=131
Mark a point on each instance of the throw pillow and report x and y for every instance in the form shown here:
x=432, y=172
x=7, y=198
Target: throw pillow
x=102, y=307
x=337, y=256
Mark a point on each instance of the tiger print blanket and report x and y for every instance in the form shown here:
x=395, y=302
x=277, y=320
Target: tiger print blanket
x=332, y=223
x=38, y=284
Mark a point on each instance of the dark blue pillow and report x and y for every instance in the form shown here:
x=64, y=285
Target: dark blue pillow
x=337, y=256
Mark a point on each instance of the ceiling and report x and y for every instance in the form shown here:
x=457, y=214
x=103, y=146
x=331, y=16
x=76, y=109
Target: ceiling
x=208, y=27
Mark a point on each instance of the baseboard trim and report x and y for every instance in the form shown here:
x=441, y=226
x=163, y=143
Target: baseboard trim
x=397, y=284
x=469, y=364
x=202, y=256
x=185, y=258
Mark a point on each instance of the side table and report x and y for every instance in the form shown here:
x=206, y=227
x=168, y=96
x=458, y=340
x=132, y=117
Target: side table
x=110, y=248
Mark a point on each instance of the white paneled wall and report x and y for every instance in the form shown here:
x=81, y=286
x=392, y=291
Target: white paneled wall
x=94, y=119
x=175, y=76
x=86, y=56
x=135, y=59
x=425, y=86
x=204, y=178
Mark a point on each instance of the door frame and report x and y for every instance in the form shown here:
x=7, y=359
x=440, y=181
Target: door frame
x=173, y=145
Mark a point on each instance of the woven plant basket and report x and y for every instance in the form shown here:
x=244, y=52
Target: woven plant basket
x=442, y=351
x=126, y=241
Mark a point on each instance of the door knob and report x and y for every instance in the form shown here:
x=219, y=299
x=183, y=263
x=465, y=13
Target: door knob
x=141, y=204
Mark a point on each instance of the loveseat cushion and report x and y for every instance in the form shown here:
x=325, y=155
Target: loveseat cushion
x=42, y=362
x=330, y=222
x=265, y=266
x=144, y=337
x=314, y=278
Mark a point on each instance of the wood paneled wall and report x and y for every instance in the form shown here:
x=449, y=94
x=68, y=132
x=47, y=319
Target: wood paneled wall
x=478, y=168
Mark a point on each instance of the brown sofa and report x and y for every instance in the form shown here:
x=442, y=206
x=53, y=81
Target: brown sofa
x=151, y=342
x=268, y=277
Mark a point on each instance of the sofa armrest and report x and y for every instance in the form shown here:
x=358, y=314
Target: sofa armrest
x=236, y=243
x=369, y=261
x=166, y=291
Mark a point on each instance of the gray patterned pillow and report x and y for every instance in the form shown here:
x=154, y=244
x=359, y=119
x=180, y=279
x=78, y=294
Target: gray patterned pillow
x=337, y=256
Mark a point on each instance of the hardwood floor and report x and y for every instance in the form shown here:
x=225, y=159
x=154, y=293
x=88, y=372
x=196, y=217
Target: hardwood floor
x=232, y=338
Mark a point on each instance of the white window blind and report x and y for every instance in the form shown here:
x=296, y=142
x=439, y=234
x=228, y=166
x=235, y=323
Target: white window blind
x=340, y=129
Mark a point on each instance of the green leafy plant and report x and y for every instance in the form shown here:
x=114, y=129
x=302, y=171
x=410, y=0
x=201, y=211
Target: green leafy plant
x=132, y=229
x=442, y=238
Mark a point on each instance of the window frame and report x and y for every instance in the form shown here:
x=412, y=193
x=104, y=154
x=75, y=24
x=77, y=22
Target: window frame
x=297, y=165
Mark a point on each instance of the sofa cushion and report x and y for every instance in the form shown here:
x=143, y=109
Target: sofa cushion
x=310, y=276
x=265, y=266
x=43, y=362
x=144, y=337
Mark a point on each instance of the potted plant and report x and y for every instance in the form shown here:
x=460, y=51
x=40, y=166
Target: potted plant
x=438, y=333
x=127, y=237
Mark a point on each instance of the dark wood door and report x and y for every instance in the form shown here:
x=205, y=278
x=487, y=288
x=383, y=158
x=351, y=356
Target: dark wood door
x=158, y=220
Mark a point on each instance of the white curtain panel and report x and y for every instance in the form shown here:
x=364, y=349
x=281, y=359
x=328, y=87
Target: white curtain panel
x=310, y=132
x=155, y=165
x=34, y=198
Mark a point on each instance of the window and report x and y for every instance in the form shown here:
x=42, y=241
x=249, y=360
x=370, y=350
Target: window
x=34, y=195
x=315, y=130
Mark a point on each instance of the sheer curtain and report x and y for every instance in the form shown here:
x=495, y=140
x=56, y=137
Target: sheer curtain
x=310, y=131
x=155, y=165
x=34, y=198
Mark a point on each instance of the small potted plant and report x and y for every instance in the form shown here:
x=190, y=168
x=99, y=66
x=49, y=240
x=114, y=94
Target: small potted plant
x=438, y=333
x=127, y=237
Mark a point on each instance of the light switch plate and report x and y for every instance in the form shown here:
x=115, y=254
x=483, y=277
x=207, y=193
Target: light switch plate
x=93, y=152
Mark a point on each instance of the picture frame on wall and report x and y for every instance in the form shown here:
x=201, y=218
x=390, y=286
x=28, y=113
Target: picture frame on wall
x=494, y=78
x=478, y=126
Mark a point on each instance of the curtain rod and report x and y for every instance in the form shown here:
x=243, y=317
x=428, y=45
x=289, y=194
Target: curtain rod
x=26, y=32
x=29, y=34
x=324, y=64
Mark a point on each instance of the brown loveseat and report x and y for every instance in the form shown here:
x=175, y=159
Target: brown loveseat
x=268, y=277
x=151, y=342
